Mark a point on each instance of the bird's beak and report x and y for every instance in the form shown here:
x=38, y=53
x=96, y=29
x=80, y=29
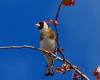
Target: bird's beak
x=37, y=24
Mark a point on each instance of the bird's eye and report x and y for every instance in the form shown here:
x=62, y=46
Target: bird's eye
x=40, y=27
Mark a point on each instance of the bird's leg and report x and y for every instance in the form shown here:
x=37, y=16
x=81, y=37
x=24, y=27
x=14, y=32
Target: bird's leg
x=49, y=70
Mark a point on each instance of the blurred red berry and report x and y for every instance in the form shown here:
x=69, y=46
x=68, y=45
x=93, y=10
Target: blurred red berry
x=49, y=20
x=95, y=73
x=75, y=76
x=68, y=2
x=60, y=70
x=63, y=68
x=54, y=22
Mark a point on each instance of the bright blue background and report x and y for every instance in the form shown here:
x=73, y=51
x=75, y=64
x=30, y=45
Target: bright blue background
x=79, y=32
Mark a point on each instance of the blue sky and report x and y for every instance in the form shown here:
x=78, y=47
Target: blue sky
x=79, y=32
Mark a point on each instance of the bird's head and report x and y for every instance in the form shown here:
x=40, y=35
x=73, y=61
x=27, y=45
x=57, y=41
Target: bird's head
x=42, y=26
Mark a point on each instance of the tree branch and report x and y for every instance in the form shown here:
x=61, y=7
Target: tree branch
x=73, y=67
x=56, y=30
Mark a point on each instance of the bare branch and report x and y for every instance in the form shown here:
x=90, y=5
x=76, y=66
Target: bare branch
x=56, y=30
x=73, y=67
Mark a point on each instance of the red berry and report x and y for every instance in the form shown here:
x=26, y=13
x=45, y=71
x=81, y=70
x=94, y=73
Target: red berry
x=68, y=2
x=54, y=22
x=95, y=73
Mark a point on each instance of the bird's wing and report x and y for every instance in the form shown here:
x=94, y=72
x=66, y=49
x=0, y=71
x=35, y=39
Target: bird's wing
x=51, y=34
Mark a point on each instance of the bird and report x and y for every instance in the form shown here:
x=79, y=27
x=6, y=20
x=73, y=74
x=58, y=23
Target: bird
x=47, y=42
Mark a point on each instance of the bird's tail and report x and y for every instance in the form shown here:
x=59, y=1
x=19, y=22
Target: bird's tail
x=49, y=60
x=49, y=70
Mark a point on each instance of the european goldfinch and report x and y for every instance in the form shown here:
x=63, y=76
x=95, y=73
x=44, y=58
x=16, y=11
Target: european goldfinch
x=47, y=42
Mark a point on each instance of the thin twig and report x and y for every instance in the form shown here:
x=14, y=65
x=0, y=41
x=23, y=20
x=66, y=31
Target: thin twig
x=75, y=68
x=56, y=31
x=56, y=18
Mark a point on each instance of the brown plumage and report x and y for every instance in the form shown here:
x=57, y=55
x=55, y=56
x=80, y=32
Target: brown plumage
x=47, y=33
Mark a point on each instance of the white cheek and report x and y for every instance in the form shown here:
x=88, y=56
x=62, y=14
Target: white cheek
x=98, y=69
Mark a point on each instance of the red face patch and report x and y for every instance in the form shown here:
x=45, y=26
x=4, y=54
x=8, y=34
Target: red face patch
x=41, y=25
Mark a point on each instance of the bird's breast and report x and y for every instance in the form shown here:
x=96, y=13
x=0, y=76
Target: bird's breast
x=48, y=44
